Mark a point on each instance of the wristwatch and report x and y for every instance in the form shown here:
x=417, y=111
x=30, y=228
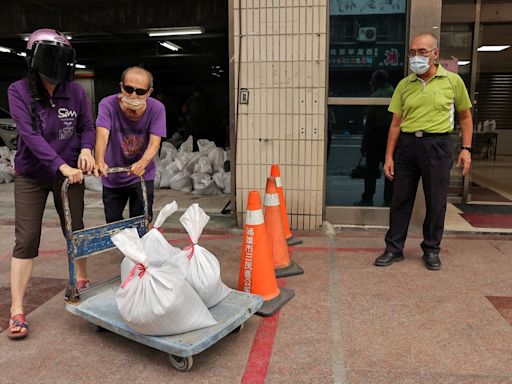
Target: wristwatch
x=466, y=148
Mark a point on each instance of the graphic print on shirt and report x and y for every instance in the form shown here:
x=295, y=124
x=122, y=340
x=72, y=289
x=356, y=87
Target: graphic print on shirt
x=67, y=118
x=132, y=144
x=43, y=114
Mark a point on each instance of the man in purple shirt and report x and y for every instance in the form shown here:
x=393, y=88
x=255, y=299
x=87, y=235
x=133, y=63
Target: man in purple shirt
x=129, y=128
x=56, y=136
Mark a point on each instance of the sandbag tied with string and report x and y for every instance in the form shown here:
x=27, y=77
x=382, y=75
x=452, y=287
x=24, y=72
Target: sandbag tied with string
x=204, y=269
x=156, y=245
x=156, y=301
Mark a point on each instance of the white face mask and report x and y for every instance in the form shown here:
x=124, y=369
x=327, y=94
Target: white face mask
x=133, y=104
x=419, y=64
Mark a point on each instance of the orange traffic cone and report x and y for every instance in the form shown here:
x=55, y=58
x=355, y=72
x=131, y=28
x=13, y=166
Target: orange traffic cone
x=256, y=267
x=290, y=240
x=283, y=265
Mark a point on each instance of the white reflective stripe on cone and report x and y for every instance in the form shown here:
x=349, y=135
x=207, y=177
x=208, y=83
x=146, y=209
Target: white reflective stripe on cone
x=255, y=217
x=271, y=200
x=278, y=182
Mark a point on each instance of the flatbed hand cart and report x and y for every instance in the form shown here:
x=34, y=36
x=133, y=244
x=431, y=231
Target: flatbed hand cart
x=97, y=303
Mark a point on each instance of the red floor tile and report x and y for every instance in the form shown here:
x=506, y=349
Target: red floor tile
x=503, y=305
x=488, y=220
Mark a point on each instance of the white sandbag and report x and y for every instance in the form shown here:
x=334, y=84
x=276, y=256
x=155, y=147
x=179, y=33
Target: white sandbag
x=207, y=187
x=168, y=151
x=156, y=181
x=181, y=182
x=5, y=153
x=187, y=146
x=219, y=179
x=227, y=182
x=93, y=183
x=6, y=173
x=198, y=178
x=217, y=156
x=165, y=179
x=204, y=269
x=156, y=301
x=203, y=165
x=205, y=146
x=156, y=245
x=189, y=161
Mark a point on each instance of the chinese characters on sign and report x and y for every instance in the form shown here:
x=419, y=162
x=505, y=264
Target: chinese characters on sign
x=249, y=249
x=366, y=7
x=372, y=57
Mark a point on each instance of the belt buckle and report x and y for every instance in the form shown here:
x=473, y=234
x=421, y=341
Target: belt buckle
x=418, y=133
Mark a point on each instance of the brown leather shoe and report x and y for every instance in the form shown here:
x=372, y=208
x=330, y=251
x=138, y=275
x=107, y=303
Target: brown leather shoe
x=388, y=258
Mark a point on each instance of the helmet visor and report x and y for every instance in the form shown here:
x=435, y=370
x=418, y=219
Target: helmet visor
x=55, y=61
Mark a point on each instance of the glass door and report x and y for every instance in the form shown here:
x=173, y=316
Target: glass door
x=366, y=61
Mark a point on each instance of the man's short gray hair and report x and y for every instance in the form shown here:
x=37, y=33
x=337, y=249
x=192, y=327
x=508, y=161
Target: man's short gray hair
x=138, y=69
x=434, y=39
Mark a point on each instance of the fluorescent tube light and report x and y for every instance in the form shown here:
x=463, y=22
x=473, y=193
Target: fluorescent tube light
x=4, y=49
x=169, y=45
x=22, y=54
x=492, y=48
x=464, y=62
x=79, y=66
x=176, y=31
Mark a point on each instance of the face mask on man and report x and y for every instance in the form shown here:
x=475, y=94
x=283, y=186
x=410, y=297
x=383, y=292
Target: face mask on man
x=419, y=64
x=133, y=104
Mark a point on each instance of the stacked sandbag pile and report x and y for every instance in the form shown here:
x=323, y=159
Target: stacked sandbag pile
x=184, y=170
x=6, y=165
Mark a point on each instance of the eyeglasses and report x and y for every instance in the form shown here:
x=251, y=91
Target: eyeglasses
x=419, y=52
x=138, y=91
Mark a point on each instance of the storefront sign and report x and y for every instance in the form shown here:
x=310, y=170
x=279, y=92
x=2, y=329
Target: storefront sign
x=366, y=7
x=345, y=56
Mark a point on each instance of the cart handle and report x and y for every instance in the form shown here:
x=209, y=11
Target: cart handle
x=65, y=199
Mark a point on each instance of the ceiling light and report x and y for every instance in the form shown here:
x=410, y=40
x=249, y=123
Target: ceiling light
x=4, y=49
x=176, y=31
x=492, y=48
x=79, y=66
x=22, y=54
x=169, y=45
x=463, y=62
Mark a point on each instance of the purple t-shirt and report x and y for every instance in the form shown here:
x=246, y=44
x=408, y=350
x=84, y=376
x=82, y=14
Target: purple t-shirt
x=129, y=139
x=64, y=129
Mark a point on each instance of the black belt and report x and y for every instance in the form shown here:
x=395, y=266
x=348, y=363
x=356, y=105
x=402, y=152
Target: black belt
x=425, y=134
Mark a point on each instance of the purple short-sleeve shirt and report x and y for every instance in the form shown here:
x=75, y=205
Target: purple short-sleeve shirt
x=129, y=139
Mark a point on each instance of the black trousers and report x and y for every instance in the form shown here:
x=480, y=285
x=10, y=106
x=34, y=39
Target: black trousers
x=115, y=199
x=431, y=159
x=375, y=157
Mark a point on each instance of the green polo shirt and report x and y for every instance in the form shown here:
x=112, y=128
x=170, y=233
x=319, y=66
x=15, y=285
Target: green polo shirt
x=430, y=106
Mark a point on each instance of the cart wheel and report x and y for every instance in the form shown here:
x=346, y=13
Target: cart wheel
x=238, y=329
x=182, y=364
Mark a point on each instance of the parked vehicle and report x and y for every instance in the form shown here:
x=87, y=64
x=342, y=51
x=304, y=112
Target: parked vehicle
x=8, y=130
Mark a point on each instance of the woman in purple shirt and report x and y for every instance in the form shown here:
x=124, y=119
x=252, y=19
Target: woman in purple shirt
x=56, y=136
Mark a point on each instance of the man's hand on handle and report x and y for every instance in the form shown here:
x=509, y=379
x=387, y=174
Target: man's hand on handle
x=86, y=161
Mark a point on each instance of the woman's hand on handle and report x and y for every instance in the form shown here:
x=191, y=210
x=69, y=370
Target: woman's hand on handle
x=74, y=175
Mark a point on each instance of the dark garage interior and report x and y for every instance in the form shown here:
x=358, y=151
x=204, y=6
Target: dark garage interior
x=109, y=36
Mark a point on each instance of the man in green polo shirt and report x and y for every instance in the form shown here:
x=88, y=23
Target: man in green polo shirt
x=419, y=145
